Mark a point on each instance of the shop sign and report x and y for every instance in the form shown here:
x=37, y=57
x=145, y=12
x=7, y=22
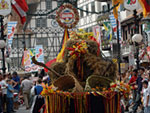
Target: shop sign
x=131, y=4
x=67, y=16
x=5, y=7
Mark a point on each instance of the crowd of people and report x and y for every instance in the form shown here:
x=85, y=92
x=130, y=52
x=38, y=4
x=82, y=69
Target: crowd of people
x=139, y=99
x=16, y=90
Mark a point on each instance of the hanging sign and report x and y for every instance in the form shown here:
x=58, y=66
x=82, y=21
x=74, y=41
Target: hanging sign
x=114, y=25
x=39, y=53
x=131, y=4
x=11, y=30
x=5, y=7
x=97, y=31
x=67, y=16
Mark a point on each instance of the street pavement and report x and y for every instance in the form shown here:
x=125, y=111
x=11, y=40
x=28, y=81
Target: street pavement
x=22, y=110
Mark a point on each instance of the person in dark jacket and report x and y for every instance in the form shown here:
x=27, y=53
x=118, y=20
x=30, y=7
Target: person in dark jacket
x=38, y=100
x=139, y=89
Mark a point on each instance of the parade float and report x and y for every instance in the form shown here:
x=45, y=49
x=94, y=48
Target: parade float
x=83, y=81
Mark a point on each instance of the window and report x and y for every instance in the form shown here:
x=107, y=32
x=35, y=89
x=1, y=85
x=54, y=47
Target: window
x=41, y=22
x=59, y=2
x=48, y=4
x=87, y=9
x=42, y=41
x=19, y=42
x=93, y=6
x=15, y=62
x=90, y=29
x=104, y=7
x=81, y=12
x=74, y=2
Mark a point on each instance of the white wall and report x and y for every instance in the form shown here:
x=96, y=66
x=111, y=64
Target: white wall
x=88, y=20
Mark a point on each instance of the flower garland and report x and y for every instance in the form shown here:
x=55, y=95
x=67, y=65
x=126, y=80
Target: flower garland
x=80, y=34
x=78, y=49
x=73, y=12
x=116, y=87
x=121, y=87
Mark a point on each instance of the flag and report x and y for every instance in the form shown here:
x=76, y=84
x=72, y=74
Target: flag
x=108, y=29
x=21, y=7
x=114, y=25
x=115, y=10
x=146, y=6
x=61, y=54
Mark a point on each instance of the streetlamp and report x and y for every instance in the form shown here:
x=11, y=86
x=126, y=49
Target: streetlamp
x=137, y=38
x=2, y=47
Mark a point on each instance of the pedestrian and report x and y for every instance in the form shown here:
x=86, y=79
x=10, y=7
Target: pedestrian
x=10, y=91
x=38, y=101
x=4, y=91
x=16, y=78
x=139, y=89
x=132, y=82
x=146, y=97
x=26, y=86
x=1, y=111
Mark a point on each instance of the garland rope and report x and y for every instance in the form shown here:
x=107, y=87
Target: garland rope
x=64, y=1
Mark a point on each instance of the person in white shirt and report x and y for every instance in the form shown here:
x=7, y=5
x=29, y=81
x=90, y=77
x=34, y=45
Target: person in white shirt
x=3, y=85
x=146, y=97
x=26, y=86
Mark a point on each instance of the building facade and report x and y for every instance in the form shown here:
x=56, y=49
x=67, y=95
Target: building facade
x=38, y=30
x=89, y=20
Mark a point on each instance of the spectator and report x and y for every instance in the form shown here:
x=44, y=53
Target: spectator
x=146, y=98
x=10, y=91
x=139, y=89
x=16, y=78
x=4, y=91
x=132, y=82
x=26, y=85
x=38, y=101
x=0, y=97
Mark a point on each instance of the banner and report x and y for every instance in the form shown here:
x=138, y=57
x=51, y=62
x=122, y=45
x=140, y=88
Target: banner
x=97, y=34
x=5, y=7
x=114, y=25
x=39, y=53
x=131, y=4
x=64, y=40
x=108, y=30
x=27, y=59
x=11, y=30
x=131, y=56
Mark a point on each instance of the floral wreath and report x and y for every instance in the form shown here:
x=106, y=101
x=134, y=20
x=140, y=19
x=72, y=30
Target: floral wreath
x=76, y=16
